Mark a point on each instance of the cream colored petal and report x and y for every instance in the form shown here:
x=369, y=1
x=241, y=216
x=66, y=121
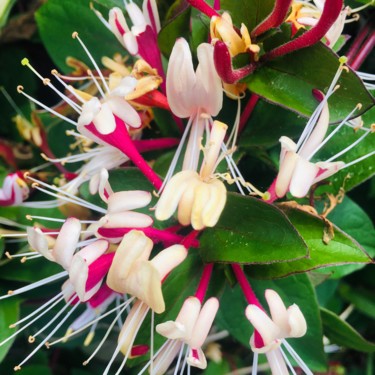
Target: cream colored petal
x=216, y=203
x=168, y=259
x=123, y=110
x=277, y=362
x=196, y=358
x=78, y=274
x=66, y=242
x=303, y=177
x=171, y=330
x=317, y=135
x=38, y=242
x=285, y=174
x=181, y=80
x=208, y=90
x=287, y=145
x=135, y=246
x=204, y=322
x=128, y=200
x=172, y=194
x=153, y=15
x=115, y=14
x=296, y=321
x=127, y=219
x=131, y=326
x=268, y=330
x=104, y=121
x=278, y=311
x=185, y=205
x=124, y=87
x=202, y=195
x=327, y=169
x=93, y=251
x=164, y=359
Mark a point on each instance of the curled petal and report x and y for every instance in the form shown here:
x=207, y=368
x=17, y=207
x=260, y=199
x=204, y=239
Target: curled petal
x=38, y=242
x=201, y=197
x=303, y=177
x=296, y=321
x=215, y=205
x=278, y=311
x=66, y=242
x=171, y=330
x=196, y=358
x=128, y=200
x=127, y=219
x=123, y=110
x=327, y=169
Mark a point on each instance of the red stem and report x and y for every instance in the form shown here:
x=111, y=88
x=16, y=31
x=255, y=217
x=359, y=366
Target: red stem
x=353, y=50
x=204, y=281
x=331, y=11
x=366, y=49
x=190, y=239
x=277, y=16
x=203, y=7
x=247, y=111
x=145, y=145
x=224, y=67
x=245, y=286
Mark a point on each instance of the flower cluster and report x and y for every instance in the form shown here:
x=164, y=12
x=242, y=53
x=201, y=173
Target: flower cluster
x=121, y=248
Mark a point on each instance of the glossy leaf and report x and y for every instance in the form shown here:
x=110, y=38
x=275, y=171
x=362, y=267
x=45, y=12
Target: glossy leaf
x=289, y=81
x=342, y=333
x=341, y=249
x=248, y=12
x=57, y=20
x=251, y=231
x=9, y=312
x=349, y=217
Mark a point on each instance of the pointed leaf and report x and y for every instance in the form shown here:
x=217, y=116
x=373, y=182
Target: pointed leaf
x=251, y=231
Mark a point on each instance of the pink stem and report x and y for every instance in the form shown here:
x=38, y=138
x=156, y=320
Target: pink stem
x=224, y=67
x=248, y=110
x=145, y=145
x=204, y=281
x=250, y=297
x=120, y=139
x=217, y=5
x=277, y=16
x=203, y=7
x=190, y=239
x=330, y=13
x=353, y=50
x=272, y=192
x=366, y=49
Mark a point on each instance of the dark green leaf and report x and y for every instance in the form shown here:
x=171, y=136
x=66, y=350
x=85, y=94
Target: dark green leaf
x=177, y=26
x=248, y=12
x=9, y=312
x=341, y=333
x=342, y=249
x=251, y=231
x=57, y=20
x=289, y=81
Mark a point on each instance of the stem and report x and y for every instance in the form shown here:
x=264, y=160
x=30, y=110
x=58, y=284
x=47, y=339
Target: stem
x=145, y=145
x=203, y=7
x=330, y=13
x=204, y=281
x=365, y=50
x=277, y=16
x=362, y=35
x=190, y=239
x=248, y=110
x=245, y=286
x=272, y=192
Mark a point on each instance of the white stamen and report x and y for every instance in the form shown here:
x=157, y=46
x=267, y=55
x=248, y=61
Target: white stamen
x=297, y=358
x=254, y=370
x=287, y=361
x=359, y=159
x=66, y=86
x=152, y=341
x=89, y=72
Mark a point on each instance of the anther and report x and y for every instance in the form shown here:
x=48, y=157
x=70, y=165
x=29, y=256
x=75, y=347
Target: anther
x=74, y=35
x=20, y=89
x=31, y=339
x=34, y=185
x=12, y=326
x=47, y=344
x=7, y=254
x=17, y=368
x=25, y=61
x=46, y=81
x=10, y=292
x=55, y=72
x=343, y=60
x=23, y=260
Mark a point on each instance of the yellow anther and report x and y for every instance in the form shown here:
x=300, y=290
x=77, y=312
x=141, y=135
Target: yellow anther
x=28, y=217
x=7, y=254
x=10, y=292
x=89, y=339
x=23, y=260
x=31, y=339
x=343, y=60
x=75, y=35
x=20, y=89
x=46, y=81
x=17, y=368
x=25, y=61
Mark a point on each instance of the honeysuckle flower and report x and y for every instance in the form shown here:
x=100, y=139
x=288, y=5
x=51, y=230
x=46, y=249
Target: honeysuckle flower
x=190, y=328
x=200, y=197
x=14, y=190
x=297, y=173
x=141, y=38
x=131, y=272
x=284, y=323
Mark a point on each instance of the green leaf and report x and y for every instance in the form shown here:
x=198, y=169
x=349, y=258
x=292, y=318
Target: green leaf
x=350, y=177
x=343, y=334
x=217, y=368
x=294, y=289
x=57, y=20
x=177, y=26
x=251, y=231
x=362, y=299
x=5, y=8
x=289, y=81
x=9, y=313
x=248, y=12
x=342, y=249
x=350, y=218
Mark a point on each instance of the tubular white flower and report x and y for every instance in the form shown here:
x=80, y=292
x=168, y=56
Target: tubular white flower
x=14, y=190
x=64, y=246
x=191, y=92
x=131, y=272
